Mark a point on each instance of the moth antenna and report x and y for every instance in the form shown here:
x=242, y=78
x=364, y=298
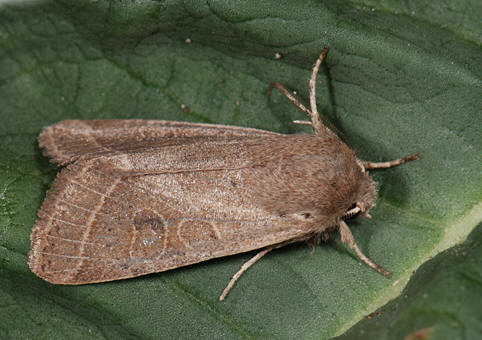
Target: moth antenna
x=288, y=95
x=241, y=271
x=390, y=164
x=347, y=237
x=314, y=115
x=302, y=122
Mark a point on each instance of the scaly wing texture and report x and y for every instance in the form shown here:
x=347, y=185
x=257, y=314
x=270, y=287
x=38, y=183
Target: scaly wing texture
x=96, y=226
x=70, y=140
x=140, y=199
x=103, y=221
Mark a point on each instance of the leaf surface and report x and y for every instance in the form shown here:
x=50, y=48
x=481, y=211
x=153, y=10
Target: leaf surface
x=399, y=79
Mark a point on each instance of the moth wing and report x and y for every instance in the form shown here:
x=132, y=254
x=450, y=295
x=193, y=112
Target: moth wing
x=98, y=225
x=70, y=140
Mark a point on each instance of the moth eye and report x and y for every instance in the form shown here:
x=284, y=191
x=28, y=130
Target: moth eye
x=353, y=206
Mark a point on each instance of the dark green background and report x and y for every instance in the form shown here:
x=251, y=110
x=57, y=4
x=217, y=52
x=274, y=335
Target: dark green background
x=399, y=78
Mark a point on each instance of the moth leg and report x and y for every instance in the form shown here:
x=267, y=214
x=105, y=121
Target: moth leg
x=395, y=162
x=288, y=95
x=243, y=268
x=314, y=115
x=347, y=237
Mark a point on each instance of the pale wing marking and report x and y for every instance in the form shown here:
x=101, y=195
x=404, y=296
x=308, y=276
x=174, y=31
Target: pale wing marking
x=179, y=206
x=98, y=207
x=49, y=225
x=143, y=189
x=135, y=232
x=71, y=257
x=216, y=229
x=90, y=189
x=70, y=240
x=63, y=221
x=80, y=207
x=92, y=137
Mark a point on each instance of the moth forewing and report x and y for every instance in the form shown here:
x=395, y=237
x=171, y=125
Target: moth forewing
x=106, y=219
x=140, y=196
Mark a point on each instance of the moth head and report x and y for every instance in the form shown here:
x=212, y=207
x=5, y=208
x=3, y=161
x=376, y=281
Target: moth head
x=363, y=199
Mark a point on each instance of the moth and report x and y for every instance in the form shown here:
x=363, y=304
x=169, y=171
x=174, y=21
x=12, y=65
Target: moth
x=139, y=196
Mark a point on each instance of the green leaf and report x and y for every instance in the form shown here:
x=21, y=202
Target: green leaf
x=399, y=79
x=442, y=300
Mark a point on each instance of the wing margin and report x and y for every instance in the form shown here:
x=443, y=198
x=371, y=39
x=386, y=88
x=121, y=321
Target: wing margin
x=69, y=140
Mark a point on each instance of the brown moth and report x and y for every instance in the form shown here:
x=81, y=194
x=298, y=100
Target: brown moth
x=141, y=196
